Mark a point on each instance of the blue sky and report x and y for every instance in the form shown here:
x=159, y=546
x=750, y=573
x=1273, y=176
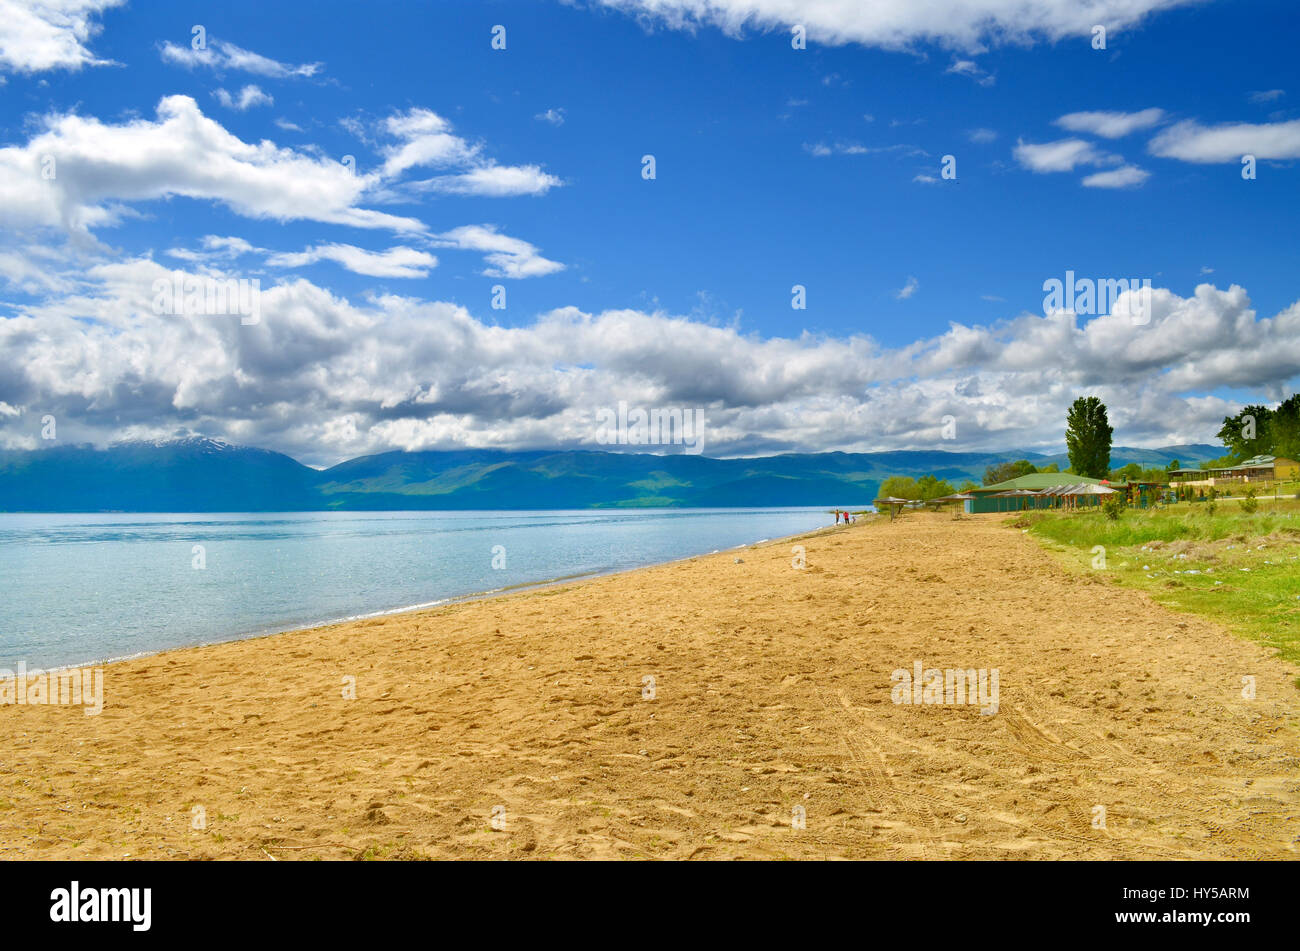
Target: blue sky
x=774, y=167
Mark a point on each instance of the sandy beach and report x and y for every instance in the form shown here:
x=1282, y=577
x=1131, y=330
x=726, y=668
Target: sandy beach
x=524, y=726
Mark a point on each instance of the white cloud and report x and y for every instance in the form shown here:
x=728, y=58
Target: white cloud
x=99, y=167
x=1125, y=176
x=492, y=181
x=1110, y=125
x=426, y=140
x=1060, y=156
x=506, y=256
x=896, y=24
x=394, y=262
x=1267, y=95
x=553, y=116
x=248, y=97
x=215, y=248
x=37, y=35
x=981, y=136
x=30, y=276
x=908, y=289
x=220, y=55
x=824, y=149
x=968, y=67
x=1190, y=141
x=324, y=378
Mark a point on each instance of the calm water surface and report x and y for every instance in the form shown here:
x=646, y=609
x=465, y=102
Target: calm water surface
x=81, y=588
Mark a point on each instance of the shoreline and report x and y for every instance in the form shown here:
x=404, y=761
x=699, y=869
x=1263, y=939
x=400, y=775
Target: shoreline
x=469, y=598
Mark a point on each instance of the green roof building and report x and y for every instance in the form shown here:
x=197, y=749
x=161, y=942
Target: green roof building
x=1255, y=469
x=986, y=499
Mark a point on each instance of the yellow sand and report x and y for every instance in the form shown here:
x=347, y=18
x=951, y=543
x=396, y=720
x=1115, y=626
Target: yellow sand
x=771, y=690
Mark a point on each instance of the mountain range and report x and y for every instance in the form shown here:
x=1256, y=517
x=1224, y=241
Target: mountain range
x=200, y=474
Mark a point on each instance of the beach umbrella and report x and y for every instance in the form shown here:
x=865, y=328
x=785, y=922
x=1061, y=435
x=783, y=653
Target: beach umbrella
x=955, y=497
x=893, y=502
x=1086, y=488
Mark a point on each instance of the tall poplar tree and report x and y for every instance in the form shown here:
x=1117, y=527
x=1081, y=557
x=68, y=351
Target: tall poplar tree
x=1087, y=437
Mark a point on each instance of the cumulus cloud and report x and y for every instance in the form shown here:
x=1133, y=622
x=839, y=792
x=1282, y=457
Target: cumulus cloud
x=896, y=24
x=324, y=378
x=1190, y=141
x=38, y=35
x=219, y=55
x=183, y=153
x=1110, y=125
x=553, y=116
x=247, y=98
x=907, y=290
x=394, y=262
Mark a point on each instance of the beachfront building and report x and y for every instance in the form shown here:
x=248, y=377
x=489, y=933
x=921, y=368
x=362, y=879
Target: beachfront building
x=1256, y=469
x=1061, y=490
x=995, y=498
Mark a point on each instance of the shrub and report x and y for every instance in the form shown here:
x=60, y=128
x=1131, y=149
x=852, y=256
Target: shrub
x=1249, y=504
x=1112, y=507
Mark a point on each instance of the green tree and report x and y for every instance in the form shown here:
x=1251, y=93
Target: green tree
x=934, y=488
x=1087, y=437
x=1284, y=429
x=1247, y=434
x=1173, y=464
x=1008, y=470
x=1053, y=467
x=900, y=487
x=1128, y=473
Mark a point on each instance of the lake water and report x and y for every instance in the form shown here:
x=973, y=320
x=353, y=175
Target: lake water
x=81, y=588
